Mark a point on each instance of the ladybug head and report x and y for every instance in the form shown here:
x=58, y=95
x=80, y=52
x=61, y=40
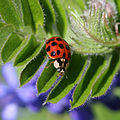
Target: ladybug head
x=61, y=71
x=61, y=64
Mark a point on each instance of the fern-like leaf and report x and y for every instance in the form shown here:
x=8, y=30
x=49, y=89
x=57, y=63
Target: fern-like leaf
x=91, y=34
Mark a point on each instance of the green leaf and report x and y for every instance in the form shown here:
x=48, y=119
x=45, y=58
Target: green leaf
x=32, y=67
x=61, y=18
x=18, y=7
x=37, y=13
x=5, y=31
x=75, y=5
x=104, y=81
x=49, y=14
x=27, y=15
x=72, y=76
x=99, y=30
x=83, y=89
x=118, y=6
x=91, y=34
x=41, y=34
x=81, y=4
x=2, y=24
x=47, y=78
x=28, y=52
x=9, y=13
x=11, y=47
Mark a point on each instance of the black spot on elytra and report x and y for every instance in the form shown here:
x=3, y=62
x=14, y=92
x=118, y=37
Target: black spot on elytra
x=69, y=55
x=67, y=47
x=48, y=49
x=64, y=55
x=58, y=52
x=48, y=42
x=53, y=53
x=54, y=44
x=61, y=46
x=58, y=39
x=52, y=39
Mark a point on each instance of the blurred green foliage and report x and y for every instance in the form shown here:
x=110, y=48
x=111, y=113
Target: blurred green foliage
x=101, y=112
x=42, y=115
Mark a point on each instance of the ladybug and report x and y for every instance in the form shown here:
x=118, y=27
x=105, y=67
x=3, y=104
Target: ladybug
x=59, y=50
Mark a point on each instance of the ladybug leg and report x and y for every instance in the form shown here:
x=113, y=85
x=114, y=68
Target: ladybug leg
x=46, y=57
x=49, y=64
x=116, y=29
x=58, y=75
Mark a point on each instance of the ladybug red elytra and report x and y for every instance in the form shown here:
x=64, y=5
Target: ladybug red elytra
x=59, y=50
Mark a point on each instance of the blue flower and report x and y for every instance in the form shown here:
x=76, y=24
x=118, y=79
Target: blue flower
x=10, y=112
x=12, y=97
x=82, y=113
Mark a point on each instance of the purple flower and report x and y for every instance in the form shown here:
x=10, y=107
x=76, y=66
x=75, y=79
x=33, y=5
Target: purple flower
x=9, y=74
x=12, y=97
x=10, y=112
x=60, y=107
x=82, y=113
